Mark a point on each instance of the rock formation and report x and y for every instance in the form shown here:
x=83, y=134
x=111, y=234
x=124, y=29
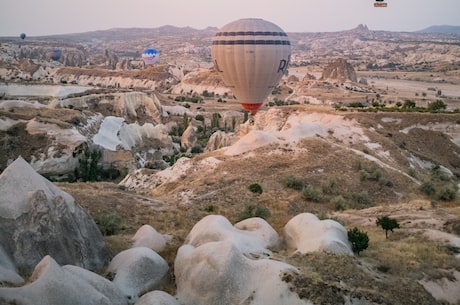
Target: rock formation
x=220, y=264
x=38, y=219
x=147, y=236
x=339, y=70
x=136, y=271
x=52, y=284
x=306, y=233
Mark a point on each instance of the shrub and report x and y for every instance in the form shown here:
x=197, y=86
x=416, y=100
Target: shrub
x=109, y=224
x=253, y=210
x=312, y=193
x=210, y=208
x=339, y=202
x=199, y=117
x=255, y=188
x=293, y=183
x=387, y=224
x=196, y=149
x=361, y=199
x=448, y=193
x=428, y=188
x=358, y=239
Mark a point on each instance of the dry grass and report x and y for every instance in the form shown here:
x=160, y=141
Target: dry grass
x=387, y=272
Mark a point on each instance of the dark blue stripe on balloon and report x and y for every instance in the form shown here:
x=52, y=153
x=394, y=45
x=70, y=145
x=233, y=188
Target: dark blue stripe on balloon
x=252, y=42
x=251, y=33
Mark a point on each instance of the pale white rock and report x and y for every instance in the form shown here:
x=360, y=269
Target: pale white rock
x=217, y=273
x=305, y=233
x=215, y=228
x=137, y=270
x=157, y=297
x=52, y=284
x=147, y=236
x=8, y=271
x=261, y=227
x=39, y=219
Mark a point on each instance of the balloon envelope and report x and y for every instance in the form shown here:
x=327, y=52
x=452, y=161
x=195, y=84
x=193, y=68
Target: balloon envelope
x=23, y=35
x=150, y=56
x=55, y=54
x=251, y=55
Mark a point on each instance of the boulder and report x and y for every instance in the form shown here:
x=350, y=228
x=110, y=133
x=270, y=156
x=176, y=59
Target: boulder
x=306, y=233
x=157, y=297
x=214, y=268
x=136, y=271
x=147, y=236
x=39, y=219
x=214, y=228
x=261, y=227
x=52, y=284
x=8, y=272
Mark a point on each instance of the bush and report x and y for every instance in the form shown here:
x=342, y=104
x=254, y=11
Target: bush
x=428, y=188
x=387, y=224
x=448, y=193
x=255, y=188
x=293, y=183
x=339, y=202
x=196, y=149
x=109, y=224
x=199, y=117
x=358, y=239
x=210, y=208
x=312, y=193
x=253, y=210
x=361, y=199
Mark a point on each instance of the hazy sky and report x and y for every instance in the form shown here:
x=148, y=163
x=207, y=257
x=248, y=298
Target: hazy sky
x=47, y=17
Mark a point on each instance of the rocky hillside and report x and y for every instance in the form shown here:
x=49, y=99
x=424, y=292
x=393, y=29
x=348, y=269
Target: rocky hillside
x=378, y=134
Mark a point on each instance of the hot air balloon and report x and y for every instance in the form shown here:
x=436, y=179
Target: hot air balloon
x=54, y=54
x=150, y=56
x=251, y=56
x=22, y=36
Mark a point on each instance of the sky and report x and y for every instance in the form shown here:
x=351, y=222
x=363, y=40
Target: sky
x=48, y=17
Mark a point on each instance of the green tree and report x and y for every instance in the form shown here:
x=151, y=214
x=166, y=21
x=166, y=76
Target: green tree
x=408, y=104
x=358, y=239
x=387, y=224
x=436, y=106
x=88, y=169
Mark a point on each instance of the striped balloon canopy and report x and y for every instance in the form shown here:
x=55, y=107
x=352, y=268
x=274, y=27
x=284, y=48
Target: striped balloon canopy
x=251, y=55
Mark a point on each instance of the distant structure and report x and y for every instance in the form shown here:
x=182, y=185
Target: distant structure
x=339, y=70
x=380, y=3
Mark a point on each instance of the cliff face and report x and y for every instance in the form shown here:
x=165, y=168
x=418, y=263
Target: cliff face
x=339, y=70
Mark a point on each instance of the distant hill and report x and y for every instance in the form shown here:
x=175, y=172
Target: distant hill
x=446, y=29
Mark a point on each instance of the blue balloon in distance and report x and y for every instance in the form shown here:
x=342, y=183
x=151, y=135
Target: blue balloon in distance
x=55, y=54
x=150, y=56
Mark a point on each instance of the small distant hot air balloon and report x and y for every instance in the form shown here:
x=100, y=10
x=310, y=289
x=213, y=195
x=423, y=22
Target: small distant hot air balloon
x=150, y=56
x=54, y=54
x=22, y=36
x=251, y=56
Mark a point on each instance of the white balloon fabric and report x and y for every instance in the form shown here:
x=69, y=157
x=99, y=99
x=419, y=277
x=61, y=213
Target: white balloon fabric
x=251, y=55
x=150, y=56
